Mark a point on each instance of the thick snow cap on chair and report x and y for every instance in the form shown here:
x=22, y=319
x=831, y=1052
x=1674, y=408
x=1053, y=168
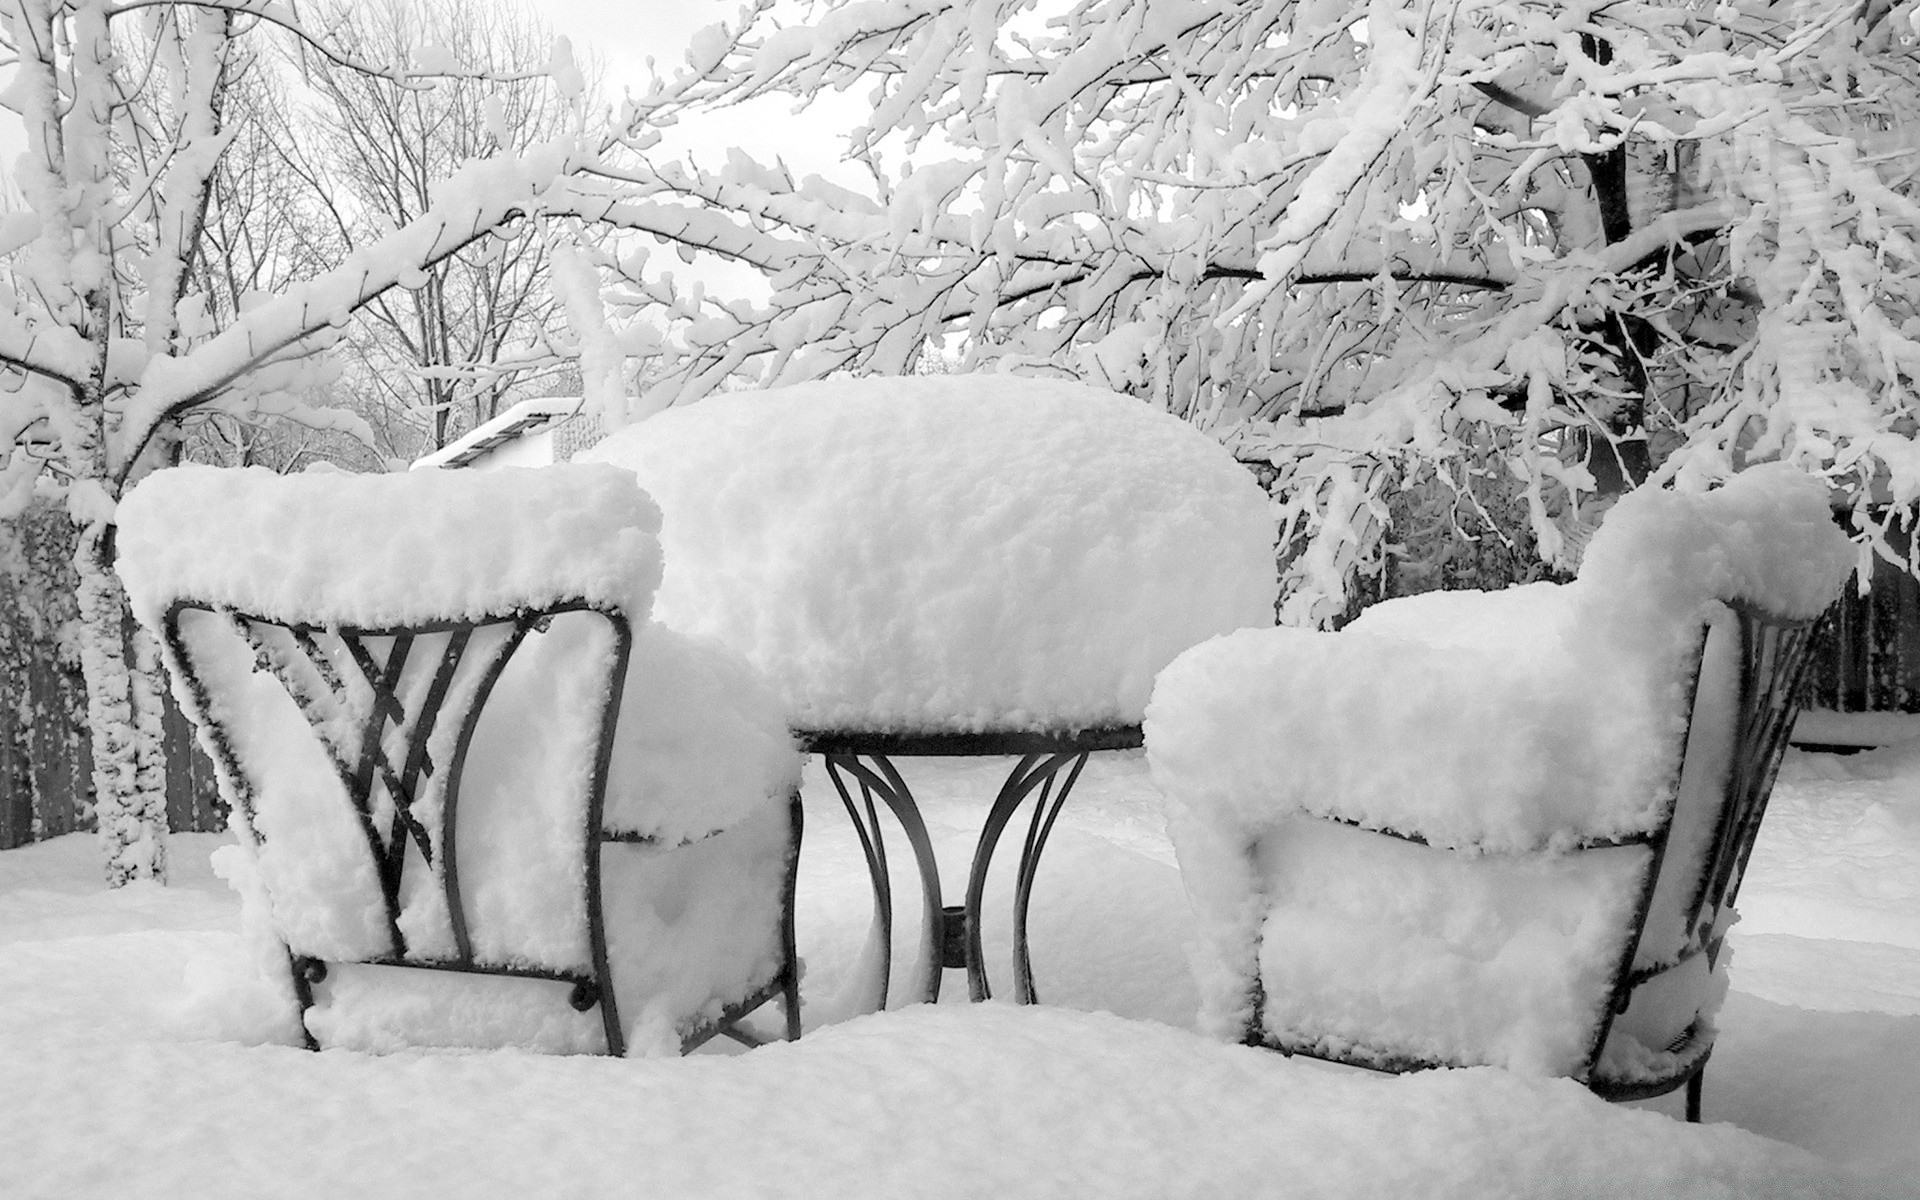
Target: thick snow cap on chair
x=1530, y=718
x=957, y=553
x=702, y=740
x=385, y=550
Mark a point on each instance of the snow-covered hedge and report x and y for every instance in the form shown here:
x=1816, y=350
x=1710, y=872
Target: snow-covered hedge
x=702, y=746
x=1510, y=725
x=956, y=553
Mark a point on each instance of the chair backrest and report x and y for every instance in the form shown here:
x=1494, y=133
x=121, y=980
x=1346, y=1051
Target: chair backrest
x=375, y=770
x=1773, y=655
x=1764, y=557
x=1743, y=706
x=409, y=686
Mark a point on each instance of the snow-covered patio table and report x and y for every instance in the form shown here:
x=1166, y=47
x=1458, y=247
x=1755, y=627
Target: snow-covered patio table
x=952, y=565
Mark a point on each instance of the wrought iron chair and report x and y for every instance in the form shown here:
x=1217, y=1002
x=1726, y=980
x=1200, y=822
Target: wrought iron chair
x=443, y=834
x=1376, y=939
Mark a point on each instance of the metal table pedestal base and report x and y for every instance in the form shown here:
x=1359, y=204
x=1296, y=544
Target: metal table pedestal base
x=863, y=773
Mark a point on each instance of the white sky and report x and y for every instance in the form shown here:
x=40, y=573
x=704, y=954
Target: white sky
x=624, y=33
x=631, y=30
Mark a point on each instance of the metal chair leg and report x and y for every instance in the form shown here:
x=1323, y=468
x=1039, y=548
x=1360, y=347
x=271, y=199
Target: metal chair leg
x=1695, y=1088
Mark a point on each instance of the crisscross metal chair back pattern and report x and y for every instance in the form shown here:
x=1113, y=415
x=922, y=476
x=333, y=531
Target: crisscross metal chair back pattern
x=1772, y=657
x=1774, y=654
x=395, y=713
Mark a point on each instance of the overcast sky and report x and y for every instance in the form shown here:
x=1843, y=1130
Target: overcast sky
x=624, y=33
x=627, y=31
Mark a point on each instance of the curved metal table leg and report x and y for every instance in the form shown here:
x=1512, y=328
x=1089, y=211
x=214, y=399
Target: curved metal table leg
x=1033, y=771
x=883, y=780
x=952, y=937
x=874, y=848
x=1037, y=833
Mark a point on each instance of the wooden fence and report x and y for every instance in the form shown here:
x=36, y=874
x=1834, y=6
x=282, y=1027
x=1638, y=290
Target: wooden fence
x=1867, y=658
x=46, y=768
x=46, y=763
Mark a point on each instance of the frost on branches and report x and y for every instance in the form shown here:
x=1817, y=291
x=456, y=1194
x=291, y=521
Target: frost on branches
x=1521, y=253
x=107, y=345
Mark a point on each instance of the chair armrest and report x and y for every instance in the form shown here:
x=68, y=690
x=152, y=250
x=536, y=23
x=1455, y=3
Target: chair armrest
x=702, y=742
x=1462, y=745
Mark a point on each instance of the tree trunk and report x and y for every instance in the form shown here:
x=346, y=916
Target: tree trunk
x=123, y=712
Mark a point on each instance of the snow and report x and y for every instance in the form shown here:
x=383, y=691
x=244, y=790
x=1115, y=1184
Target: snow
x=132, y=1069
x=1376, y=942
x=696, y=723
x=384, y=550
x=1582, y=681
x=1514, y=726
x=951, y=552
x=148, y=1038
x=1846, y=871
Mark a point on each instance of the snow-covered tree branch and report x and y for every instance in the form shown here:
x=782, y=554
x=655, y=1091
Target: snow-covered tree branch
x=109, y=344
x=1531, y=251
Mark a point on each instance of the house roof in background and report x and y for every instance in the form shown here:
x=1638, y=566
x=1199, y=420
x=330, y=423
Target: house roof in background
x=526, y=417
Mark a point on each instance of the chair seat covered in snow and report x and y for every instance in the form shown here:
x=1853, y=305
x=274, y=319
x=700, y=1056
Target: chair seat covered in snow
x=1503, y=828
x=452, y=738
x=961, y=564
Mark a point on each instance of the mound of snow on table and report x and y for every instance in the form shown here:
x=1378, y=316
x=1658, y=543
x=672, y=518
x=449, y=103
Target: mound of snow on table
x=955, y=553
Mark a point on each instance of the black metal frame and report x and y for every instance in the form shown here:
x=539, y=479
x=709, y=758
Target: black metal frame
x=950, y=935
x=373, y=763
x=1774, y=653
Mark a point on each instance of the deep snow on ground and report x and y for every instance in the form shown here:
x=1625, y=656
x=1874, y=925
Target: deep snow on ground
x=133, y=1059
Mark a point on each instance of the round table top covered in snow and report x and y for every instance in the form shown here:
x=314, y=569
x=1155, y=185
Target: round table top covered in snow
x=964, y=553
